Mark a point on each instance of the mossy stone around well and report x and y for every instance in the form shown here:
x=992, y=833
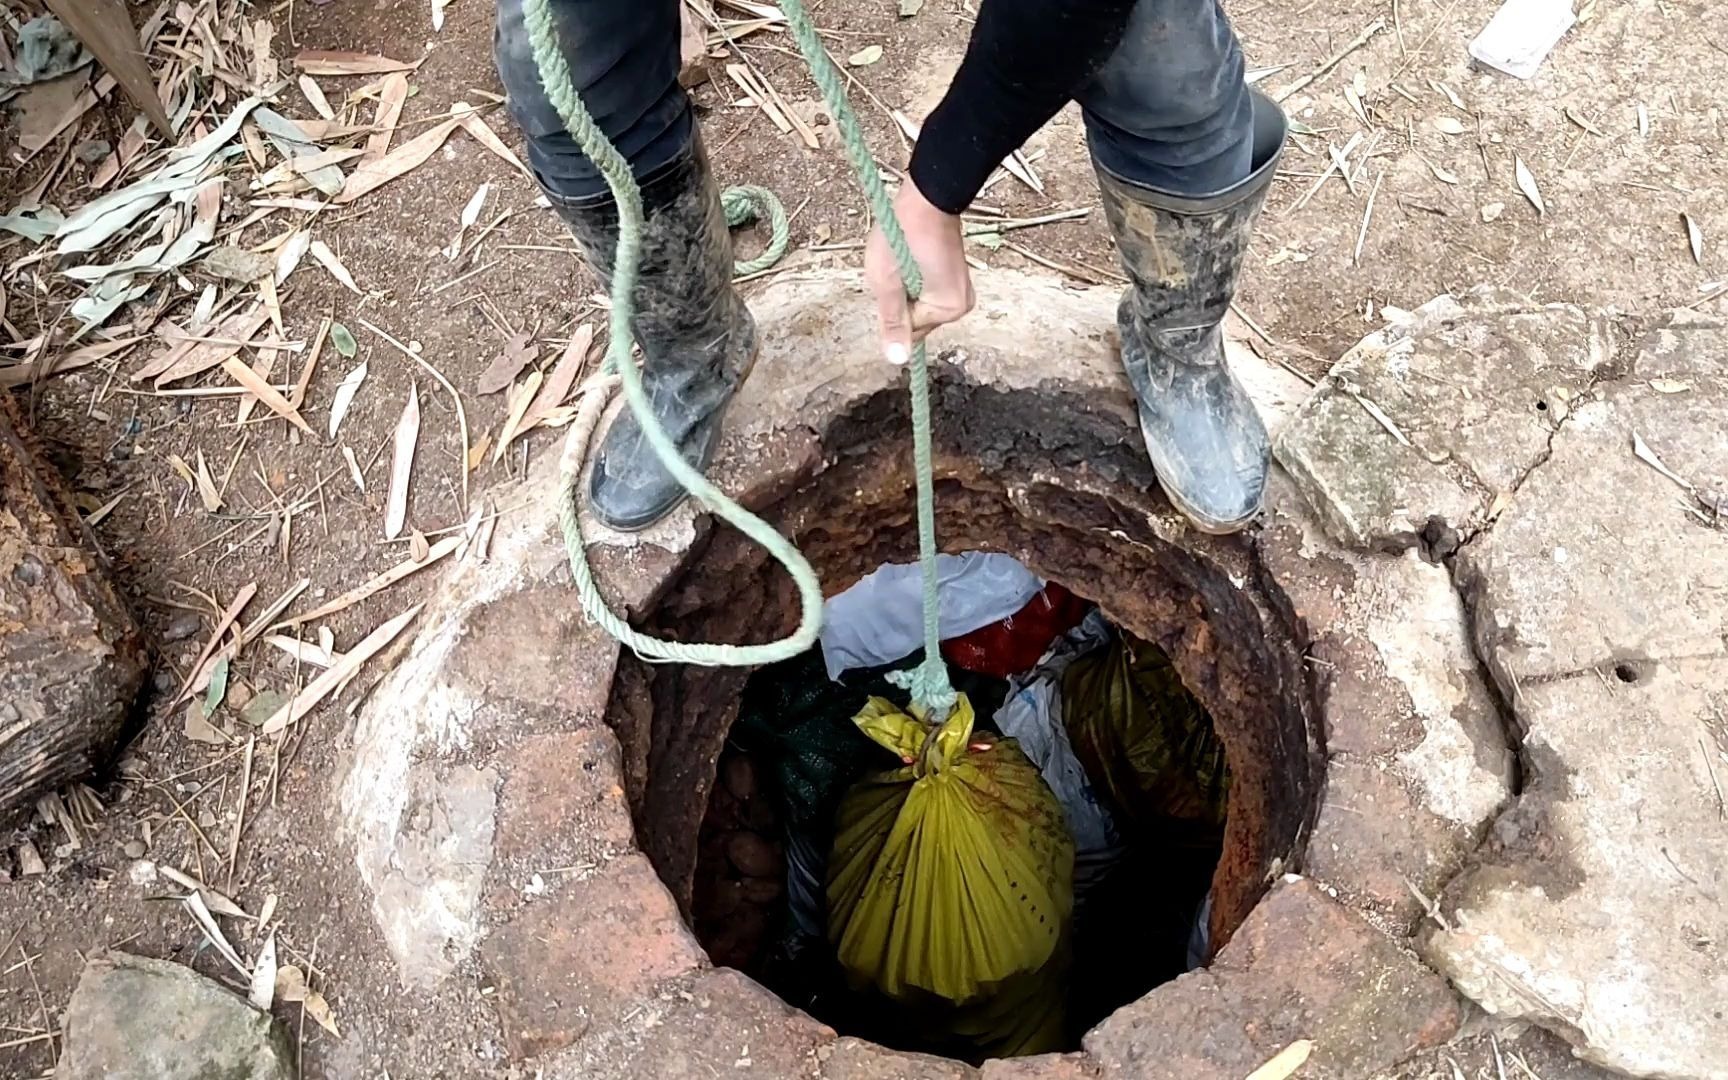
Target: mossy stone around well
x=134, y=1018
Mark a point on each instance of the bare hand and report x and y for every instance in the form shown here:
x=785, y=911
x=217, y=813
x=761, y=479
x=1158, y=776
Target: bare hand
x=937, y=247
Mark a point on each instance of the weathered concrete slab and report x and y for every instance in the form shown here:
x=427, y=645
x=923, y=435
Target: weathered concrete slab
x=1418, y=756
x=1301, y=967
x=586, y=955
x=1600, y=603
x=856, y=1059
x=715, y=1023
x=72, y=661
x=1434, y=416
x=134, y=1018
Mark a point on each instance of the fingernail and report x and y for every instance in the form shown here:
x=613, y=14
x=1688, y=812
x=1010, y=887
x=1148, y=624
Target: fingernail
x=897, y=354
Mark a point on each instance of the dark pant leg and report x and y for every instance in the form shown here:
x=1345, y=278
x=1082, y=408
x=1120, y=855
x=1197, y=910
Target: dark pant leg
x=1169, y=109
x=623, y=57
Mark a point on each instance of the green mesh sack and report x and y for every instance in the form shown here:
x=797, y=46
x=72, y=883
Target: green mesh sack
x=1147, y=744
x=950, y=886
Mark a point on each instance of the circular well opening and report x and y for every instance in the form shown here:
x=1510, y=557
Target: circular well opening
x=702, y=799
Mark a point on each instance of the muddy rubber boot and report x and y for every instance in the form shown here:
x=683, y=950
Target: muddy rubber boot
x=697, y=338
x=1182, y=256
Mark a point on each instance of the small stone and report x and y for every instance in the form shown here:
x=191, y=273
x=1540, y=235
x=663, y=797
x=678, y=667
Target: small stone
x=739, y=776
x=763, y=890
x=142, y=873
x=91, y=151
x=30, y=860
x=133, y=1016
x=182, y=626
x=752, y=855
x=135, y=849
x=237, y=264
x=1492, y=210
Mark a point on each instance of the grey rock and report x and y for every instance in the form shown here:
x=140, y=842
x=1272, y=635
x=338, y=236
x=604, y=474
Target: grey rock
x=1599, y=608
x=133, y=1018
x=237, y=264
x=1474, y=384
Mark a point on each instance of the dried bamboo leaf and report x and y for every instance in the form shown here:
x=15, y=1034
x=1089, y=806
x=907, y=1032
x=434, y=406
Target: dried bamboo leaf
x=288, y=256
x=354, y=472
x=321, y=687
x=519, y=402
x=391, y=94
x=207, y=493
x=262, y=992
x=1648, y=457
x=1669, y=386
x=1448, y=125
x=319, y=1009
x=864, y=57
x=194, y=902
x=214, y=900
x=344, y=396
x=307, y=652
x=418, y=548
x=564, y=375
x=44, y=366
x=517, y=354
x=269, y=395
x=1527, y=184
x=383, y=581
x=1694, y=238
x=338, y=62
x=315, y=97
x=476, y=126
x=410, y=155
x=320, y=251
x=290, y=983
x=402, y=465
x=1441, y=174
x=1285, y=1063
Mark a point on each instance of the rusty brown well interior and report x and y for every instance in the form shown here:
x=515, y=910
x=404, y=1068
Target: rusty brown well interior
x=1044, y=481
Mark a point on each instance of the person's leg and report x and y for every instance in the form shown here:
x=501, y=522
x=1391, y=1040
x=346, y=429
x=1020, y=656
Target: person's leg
x=1184, y=152
x=623, y=59
x=696, y=336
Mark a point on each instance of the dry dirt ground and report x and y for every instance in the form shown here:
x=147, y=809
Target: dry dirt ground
x=1621, y=130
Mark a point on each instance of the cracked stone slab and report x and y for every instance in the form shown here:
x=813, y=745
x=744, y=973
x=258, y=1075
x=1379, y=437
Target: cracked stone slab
x=1600, y=604
x=1437, y=414
x=1419, y=762
x=1302, y=967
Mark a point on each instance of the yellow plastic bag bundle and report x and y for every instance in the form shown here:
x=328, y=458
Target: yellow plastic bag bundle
x=1146, y=742
x=951, y=883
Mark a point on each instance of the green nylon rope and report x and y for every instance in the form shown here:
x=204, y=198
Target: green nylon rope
x=928, y=683
x=746, y=203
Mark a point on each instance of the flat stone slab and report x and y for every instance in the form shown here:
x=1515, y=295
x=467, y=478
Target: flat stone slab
x=134, y=1018
x=1301, y=967
x=1433, y=417
x=1600, y=602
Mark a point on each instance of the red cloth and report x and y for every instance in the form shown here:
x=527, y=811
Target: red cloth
x=1013, y=645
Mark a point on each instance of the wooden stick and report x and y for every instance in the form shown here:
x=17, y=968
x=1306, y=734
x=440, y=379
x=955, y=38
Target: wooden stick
x=318, y=689
x=387, y=578
x=240, y=816
x=238, y=604
x=275, y=402
x=1334, y=60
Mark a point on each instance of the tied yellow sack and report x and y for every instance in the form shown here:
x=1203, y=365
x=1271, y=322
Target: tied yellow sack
x=1146, y=742
x=951, y=883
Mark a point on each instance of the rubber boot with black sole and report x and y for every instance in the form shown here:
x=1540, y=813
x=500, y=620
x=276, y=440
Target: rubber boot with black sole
x=1183, y=256
x=697, y=338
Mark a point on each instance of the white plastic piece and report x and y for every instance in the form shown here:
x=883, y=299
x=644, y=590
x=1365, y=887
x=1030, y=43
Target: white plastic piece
x=881, y=619
x=1521, y=34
